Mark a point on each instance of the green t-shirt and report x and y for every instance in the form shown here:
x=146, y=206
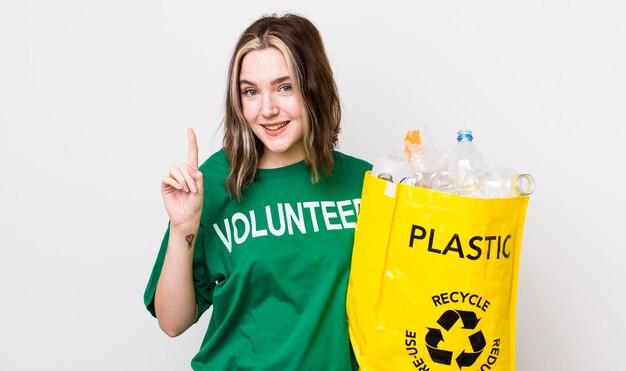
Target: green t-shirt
x=275, y=268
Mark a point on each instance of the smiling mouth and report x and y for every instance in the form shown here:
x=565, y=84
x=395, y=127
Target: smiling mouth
x=274, y=127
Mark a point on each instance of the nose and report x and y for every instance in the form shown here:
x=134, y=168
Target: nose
x=270, y=107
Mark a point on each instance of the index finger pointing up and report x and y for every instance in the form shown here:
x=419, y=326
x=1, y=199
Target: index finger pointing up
x=193, y=149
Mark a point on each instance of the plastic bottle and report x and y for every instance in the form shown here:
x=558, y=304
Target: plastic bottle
x=505, y=182
x=391, y=169
x=466, y=165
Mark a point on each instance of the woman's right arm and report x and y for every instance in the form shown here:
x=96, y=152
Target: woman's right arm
x=182, y=190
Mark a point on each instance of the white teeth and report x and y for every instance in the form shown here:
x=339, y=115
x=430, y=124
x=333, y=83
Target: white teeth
x=276, y=126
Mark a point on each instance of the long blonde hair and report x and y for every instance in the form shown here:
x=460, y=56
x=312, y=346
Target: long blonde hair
x=301, y=45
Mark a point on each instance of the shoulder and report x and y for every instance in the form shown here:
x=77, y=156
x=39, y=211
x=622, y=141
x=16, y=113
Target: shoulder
x=346, y=179
x=348, y=173
x=215, y=165
x=350, y=164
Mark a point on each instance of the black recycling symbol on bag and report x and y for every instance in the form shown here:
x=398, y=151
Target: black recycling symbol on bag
x=447, y=320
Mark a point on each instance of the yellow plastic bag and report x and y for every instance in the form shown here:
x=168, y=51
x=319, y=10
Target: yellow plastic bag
x=434, y=279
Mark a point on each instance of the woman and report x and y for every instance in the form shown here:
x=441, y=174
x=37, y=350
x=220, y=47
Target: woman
x=263, y=230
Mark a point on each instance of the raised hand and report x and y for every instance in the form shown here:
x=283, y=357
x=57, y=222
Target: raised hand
x=183, y=188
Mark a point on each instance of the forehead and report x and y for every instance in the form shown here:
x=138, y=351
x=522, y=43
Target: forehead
x=263, y=65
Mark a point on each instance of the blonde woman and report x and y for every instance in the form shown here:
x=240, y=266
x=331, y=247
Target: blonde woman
x=263, y=229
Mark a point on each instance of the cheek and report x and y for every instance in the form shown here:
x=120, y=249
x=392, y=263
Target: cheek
x=294, y=106
x=249, y=110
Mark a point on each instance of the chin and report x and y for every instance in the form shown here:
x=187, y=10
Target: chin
x=278, y=150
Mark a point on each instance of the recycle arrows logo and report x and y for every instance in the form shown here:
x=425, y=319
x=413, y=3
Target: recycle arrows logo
x=434, y=336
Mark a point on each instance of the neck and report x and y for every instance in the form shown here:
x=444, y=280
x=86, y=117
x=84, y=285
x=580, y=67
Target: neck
x=273, y=160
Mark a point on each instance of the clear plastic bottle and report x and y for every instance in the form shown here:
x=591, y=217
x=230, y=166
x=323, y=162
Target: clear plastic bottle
x=505, y=182
x=466, y=165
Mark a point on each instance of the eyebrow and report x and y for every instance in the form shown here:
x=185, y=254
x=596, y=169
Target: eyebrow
x=273, y=82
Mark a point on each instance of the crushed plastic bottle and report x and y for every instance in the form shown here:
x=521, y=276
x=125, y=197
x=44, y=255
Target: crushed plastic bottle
x=443, y=181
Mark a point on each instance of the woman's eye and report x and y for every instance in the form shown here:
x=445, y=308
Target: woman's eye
x=250, y=92
x=286, y=89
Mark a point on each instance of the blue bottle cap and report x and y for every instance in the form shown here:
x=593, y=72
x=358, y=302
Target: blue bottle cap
x=464, y=135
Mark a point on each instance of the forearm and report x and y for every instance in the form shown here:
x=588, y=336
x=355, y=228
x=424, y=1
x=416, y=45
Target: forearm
x=175, y=299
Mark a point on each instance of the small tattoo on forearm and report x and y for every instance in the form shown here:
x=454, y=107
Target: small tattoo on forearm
x=189, y=239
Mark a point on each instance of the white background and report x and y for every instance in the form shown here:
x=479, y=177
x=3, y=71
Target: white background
x=95, y=97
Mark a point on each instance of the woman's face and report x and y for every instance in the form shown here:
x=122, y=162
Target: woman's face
x=272, y=107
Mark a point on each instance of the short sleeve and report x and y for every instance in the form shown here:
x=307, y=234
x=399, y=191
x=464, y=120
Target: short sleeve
x=202, y=283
